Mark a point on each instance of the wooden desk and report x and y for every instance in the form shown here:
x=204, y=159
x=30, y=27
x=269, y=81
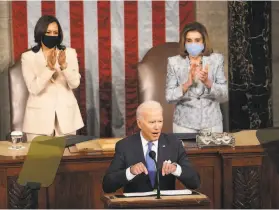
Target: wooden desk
x=231, y=178
x=198, y=201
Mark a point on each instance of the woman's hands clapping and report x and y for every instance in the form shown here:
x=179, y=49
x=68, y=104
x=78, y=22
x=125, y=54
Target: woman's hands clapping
x=51, y=59
x=62, y=60
x=203, y=77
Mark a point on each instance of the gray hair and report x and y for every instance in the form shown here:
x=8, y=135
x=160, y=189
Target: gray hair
x=148, y=105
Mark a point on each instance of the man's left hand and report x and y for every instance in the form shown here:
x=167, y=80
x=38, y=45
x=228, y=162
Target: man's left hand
x=168, y=167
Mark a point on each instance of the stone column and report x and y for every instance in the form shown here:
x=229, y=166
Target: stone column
x=250, y=69
x=275, y=61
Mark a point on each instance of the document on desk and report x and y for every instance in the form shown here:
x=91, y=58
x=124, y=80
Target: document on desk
x=163, y=192
x=176, y=192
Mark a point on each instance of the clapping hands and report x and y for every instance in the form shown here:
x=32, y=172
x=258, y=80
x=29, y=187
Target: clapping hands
x=202, y=75
x=52, y=58
x=62, y=59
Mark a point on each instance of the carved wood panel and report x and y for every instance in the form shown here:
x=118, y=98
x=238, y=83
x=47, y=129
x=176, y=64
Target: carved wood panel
x=246, y=187
x=20, y=197
x=72, y=190
x=210, y=176
x=3, y=189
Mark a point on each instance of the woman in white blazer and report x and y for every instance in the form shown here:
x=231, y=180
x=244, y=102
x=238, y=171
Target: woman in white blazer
x=196, y=83
x=50, y=72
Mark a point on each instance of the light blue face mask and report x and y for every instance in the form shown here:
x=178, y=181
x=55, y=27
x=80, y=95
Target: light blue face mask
x=194, y=49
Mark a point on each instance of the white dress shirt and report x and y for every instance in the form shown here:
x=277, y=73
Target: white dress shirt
x=144, y=142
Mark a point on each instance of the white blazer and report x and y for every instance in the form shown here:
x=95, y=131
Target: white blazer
x=48, y=98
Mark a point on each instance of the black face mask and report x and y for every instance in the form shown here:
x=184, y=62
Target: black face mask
x=50, y=41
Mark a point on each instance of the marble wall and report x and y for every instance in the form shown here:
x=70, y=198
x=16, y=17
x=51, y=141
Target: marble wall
x=275, y=61
x=250, y=69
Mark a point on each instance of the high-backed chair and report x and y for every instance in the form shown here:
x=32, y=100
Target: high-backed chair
x=18, y=96
x=152, y=72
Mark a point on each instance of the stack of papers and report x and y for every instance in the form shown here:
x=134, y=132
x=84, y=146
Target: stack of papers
x=163, y=192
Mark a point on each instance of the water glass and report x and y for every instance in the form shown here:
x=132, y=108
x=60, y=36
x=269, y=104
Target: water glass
x=17, y=137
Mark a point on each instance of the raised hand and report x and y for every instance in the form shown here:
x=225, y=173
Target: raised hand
x=62, y=59
x=203, y=76
x=191, y=76
x=138, y=169
x=168, y=168
x=51, y=59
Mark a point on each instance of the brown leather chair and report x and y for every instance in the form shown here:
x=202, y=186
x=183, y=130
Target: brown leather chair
x=18, y=96
x=152, y=72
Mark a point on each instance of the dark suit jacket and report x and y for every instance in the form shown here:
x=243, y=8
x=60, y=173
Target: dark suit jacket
x=129, y=151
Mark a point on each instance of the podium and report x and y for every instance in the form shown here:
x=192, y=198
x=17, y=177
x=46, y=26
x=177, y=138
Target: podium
x=193, y=201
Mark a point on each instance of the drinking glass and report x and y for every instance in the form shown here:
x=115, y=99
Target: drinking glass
x=17, y=137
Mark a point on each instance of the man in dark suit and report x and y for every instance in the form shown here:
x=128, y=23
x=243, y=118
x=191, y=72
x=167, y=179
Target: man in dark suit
x=132, y=167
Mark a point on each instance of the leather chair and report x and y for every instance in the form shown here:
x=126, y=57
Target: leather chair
x=152, y=72
x=18, y=96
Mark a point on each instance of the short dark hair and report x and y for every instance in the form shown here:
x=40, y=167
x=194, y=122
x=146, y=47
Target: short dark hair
x=194, y=26
x=41, y=29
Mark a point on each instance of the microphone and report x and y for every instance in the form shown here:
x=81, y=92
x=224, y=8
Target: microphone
x=152, y=154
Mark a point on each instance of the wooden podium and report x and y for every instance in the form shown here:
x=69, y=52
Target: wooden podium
x=193, y=201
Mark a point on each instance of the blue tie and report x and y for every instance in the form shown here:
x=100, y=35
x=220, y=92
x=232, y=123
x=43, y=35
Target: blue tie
x=150, y=165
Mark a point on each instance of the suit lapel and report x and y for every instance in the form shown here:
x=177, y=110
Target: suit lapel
x=139, y=155
x=162, y=151
x=40, y=60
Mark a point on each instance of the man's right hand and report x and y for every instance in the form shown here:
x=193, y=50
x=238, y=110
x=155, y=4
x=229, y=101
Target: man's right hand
x=138, y=169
